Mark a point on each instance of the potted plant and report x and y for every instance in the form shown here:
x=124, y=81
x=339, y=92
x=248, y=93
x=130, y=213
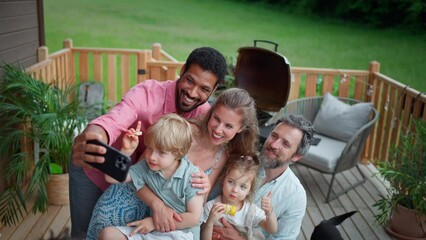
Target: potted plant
x=38, y=123
x=405, y=171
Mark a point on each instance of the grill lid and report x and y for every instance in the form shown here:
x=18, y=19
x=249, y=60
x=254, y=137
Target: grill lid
x=265, y=75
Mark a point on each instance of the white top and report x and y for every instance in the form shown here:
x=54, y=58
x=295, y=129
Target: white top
x=245, y=219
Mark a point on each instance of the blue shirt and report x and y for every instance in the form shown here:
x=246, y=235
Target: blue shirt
x=288, y=201
x=174, y=192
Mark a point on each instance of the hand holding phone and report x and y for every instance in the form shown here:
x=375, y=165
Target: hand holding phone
x=116, y=164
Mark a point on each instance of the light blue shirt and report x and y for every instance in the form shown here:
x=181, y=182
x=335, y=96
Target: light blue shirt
x=174, y=192
x=288, y=201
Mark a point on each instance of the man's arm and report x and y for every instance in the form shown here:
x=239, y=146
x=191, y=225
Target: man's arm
x=290, y=219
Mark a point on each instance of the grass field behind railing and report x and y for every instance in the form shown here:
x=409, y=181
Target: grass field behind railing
x=182, y=25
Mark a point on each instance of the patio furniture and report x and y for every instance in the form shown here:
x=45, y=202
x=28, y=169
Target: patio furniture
x=90, y=98
x=342, y=125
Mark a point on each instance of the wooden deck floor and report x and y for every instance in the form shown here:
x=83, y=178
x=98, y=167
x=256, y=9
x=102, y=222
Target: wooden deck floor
x=55, y=223
x=360, y=225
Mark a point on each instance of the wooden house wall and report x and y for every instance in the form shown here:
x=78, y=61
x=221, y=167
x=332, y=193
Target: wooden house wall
x=21, y=33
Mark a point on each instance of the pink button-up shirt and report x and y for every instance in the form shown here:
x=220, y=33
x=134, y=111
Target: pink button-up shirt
x=145, y=102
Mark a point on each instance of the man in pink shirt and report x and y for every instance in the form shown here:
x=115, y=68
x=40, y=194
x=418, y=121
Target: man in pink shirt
x=204, y=69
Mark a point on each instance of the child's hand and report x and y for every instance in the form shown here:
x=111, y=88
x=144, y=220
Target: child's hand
x=216, y=212
x=143, y=226
x=131, y=139
x=266, y=204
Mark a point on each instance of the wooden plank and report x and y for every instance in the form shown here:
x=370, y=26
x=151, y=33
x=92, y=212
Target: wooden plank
x=328, y=84
x=25, y=226
x=83, y=67
x=18, y=8
x=142, y=68
x=16, y=39
x=112, y=78
x=16, y=54
x=171, y=73
x=389, y=126
x=361, y=222
x=154, y=72
x=359, y=88
x=407, y=113
x=97, y=68
x=295, y=87
x=125, y=74
x=311, y=85
x=43, y=224
x=7, y=232
x=307, y=224
x=58, y=223
x=344, y=85
x=379, y=140
x=369, y=196
x=346, y=206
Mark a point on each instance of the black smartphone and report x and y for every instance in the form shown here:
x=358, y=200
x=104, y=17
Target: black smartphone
x=116, y=164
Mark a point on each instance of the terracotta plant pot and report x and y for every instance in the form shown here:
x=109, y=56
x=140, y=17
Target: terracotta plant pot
x=405, y=224
x=58, y=189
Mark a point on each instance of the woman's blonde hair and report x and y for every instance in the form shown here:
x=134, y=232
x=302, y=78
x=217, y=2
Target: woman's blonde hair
x=170, y=133
x=247, y=165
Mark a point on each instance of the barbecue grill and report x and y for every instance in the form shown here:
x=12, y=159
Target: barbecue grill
x=265, y=74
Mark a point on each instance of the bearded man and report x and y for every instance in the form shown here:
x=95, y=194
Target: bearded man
x=289, y=140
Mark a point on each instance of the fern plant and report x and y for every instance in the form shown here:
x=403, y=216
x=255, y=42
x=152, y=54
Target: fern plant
x=38, y=121
x=406, y=173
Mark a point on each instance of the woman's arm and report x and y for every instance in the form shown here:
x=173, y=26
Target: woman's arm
x=214, y=175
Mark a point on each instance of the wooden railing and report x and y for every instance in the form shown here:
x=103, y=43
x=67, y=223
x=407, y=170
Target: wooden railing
x=121, y=69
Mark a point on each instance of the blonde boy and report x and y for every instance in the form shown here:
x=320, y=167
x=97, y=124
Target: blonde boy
x=167, y=173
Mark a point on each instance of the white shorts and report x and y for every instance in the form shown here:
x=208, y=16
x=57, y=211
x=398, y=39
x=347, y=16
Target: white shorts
x=156, y=235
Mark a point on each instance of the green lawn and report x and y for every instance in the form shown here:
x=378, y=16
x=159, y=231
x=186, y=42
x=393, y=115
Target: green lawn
x=182, y=25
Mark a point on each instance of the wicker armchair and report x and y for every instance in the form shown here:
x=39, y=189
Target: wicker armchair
x=330, y=156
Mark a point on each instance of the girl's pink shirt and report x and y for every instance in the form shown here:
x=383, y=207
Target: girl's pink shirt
x=146, y=102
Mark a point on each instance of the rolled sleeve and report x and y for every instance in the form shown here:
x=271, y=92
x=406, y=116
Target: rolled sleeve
x=138, y=172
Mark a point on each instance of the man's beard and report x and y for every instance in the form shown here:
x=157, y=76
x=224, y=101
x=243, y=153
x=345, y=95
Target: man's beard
x=271, y=163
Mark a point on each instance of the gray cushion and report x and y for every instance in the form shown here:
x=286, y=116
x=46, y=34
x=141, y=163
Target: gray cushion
x=339, y=120
x=324, y=156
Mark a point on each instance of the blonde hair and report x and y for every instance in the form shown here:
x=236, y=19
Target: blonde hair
x=247, y=165
x=240, y=101
x=170, y=133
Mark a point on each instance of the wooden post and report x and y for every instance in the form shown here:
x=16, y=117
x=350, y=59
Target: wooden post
x=42, y=53
x=68, y=43
x=156, y=51
x=373, y=67
x=142, y=70
x=70, y=66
